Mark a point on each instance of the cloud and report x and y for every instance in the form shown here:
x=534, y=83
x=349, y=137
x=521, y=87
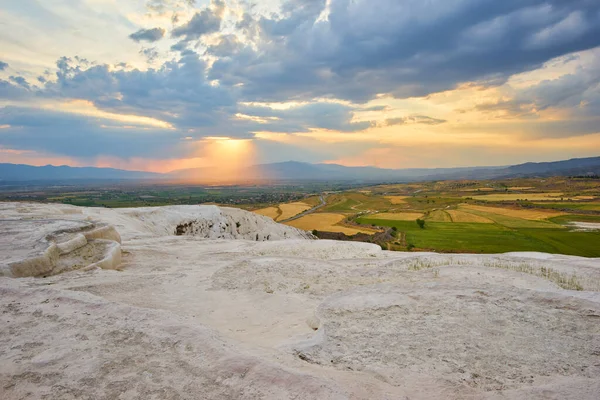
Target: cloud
x=571, y=27
x=302, y=118
x=227, y=46
x=175, y=92
x=20, y=81
x=81, y=136
x=414, y=119
x=577, y=93
x=411, y=48
x=150, y=53
x=3, y=65
x=327, y=60
x=164, y=6
x=202, y=23
x=9, y=90
x=148, y=35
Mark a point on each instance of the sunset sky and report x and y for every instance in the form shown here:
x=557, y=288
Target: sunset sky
x=159, y=85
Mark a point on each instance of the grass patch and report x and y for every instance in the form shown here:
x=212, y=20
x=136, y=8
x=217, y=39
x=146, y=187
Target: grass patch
x=565, y=219
x=587, y=206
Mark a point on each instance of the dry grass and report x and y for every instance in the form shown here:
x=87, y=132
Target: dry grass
x=462, y=216
x=313, y=201
x=565, y=281
x=271, y=212
x=438, y=216
x=532, y=215
x=326, y=222
x=520, y=196
x=521, y=187
x=397, y=199
x=290, y=210
x=407, y=216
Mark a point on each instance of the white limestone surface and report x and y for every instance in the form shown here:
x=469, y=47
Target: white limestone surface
x=216, y=314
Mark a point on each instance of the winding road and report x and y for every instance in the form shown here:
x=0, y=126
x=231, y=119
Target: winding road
x=305, y=213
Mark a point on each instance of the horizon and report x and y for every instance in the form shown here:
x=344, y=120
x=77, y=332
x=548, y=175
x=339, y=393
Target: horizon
x=169, y=85
x=302, y=162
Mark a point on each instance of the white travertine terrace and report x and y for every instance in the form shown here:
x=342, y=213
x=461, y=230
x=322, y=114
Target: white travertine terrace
x=217, y=303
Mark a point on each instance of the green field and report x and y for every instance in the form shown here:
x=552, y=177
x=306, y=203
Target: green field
x=484, y=226
x=493, y=238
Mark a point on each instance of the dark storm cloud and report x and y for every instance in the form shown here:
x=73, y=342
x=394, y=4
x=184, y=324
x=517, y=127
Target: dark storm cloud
x=408, y=48
x=3, y=65
x=148, y=35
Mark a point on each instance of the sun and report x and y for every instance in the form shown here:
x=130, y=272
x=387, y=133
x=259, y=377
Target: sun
x=227, y=160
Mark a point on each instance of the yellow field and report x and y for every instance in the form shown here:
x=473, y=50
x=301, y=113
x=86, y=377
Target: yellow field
x=271, y=212
x=326, y=222
x=438, y=216
x=397, y=199
x=462, y=216
x=522, y=196
x=521, y=187
x=484, y=189
x=408, y=216
x=290, y=210
x=532, y=215
x=313, y=201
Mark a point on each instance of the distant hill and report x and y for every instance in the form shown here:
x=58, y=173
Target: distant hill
x=302, y=171
x=299, y=171
x=21, y=172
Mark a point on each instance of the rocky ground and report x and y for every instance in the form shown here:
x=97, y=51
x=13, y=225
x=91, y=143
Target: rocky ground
x=199, y=302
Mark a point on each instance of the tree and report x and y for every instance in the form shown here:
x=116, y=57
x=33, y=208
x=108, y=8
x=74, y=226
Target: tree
x=421, y=223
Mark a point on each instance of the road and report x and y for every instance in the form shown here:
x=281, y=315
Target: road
x=305, y=213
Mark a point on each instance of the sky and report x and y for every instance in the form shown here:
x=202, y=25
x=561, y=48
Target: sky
x=161, y=85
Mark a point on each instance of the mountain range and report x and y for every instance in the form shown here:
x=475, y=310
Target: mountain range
x=299, y=171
